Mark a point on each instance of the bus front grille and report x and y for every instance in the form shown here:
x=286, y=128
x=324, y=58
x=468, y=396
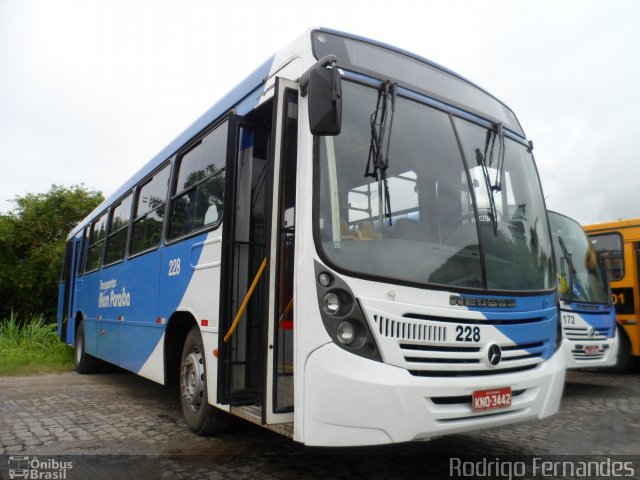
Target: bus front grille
x=436, y=360
x=469, y=373
x=408, y=330
x=584, y=333
x=466, y=399
x=425, y=349
x=581, y=354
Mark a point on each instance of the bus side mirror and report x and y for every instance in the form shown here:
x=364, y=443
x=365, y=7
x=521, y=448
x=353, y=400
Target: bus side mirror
x=323, y=85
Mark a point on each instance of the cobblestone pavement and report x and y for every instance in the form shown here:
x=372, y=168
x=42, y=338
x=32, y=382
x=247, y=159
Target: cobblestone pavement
x=122, y=426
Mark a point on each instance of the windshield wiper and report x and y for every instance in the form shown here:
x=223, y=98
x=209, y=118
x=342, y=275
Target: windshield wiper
x=482, y=163
x=492, y=188
x=497, y=186
x=381, y=124
x=492, y=134
x=572, y=271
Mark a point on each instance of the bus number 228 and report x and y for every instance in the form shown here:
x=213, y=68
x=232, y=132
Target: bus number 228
x=174, y=267
x=467, y=334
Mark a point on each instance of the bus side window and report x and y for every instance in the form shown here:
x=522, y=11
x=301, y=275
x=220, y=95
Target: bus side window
x=610, y=248
x=96, y=241
x=150, y=212
x=66, y=262
x=199, y=185
x=80, y=261
x=118, y=230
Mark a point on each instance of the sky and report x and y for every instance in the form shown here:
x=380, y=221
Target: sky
x=91, y=90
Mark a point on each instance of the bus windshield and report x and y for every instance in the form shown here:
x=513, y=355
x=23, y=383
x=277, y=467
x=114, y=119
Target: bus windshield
x=449, y=219
x=580, y=278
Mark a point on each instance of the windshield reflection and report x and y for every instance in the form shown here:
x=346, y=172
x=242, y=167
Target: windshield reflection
x=580, y=277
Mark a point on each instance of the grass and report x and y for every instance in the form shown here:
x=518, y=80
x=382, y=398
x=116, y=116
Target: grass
x=32, y=347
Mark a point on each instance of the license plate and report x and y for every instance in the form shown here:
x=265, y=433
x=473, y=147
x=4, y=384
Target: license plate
x=491, y=399
x=592, y=350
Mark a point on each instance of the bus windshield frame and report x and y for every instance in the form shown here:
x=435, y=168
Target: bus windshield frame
x=432, y=164
x=413, y=72
x=580, y=277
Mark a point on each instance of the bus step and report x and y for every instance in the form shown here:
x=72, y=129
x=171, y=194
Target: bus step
x=253, y=414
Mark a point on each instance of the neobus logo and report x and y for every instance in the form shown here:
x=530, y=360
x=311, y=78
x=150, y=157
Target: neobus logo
x=482, y=302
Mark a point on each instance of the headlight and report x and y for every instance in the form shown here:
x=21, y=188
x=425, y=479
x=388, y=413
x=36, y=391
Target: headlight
x=324, y=279
x=331, y=303
x=346, y=332
x=342, y=315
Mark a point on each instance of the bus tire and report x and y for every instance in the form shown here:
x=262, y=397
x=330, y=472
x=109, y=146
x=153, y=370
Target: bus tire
x=201, y=417
x=85, y=363
x=623, y=360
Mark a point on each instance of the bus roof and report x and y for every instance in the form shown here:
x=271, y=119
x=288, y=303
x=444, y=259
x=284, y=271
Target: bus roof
x=612, y=225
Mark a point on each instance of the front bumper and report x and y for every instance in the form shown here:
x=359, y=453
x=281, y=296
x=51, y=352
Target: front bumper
x=575, y=353
x=352, y=401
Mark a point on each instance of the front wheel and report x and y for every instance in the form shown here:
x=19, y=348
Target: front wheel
x=202, y=418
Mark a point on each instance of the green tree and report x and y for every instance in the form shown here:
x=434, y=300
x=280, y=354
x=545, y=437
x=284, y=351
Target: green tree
x=32, y=241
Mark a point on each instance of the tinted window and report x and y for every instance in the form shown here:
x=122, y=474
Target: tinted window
x=200, y=185
x=202, y=161
x=518, y=251
x=609, y=247
x=153, y=193
x=415, y=242
x=96, y=240
x=117, y=241
x=66, y=263
x=150, y=207
x=580, y=277
x=83, y=250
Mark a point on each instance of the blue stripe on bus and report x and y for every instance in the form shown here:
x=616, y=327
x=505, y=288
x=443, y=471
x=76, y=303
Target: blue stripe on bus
x=127, y=332
x=542, y=311
x=604, y=317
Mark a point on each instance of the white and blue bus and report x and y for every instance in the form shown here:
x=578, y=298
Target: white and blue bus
x=349, y=248
x=587, y=313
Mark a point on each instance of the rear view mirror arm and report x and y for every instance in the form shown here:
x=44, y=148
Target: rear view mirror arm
x=323, y=62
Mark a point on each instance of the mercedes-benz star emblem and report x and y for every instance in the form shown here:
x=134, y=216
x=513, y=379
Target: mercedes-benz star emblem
x=591, y=332
x=494, y=354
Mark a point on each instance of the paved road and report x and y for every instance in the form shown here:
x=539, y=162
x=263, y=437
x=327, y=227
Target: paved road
x=127, y=427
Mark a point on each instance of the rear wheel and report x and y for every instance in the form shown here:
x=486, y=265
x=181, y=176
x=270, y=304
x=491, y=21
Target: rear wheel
x=623, y=360
x=85, y=363
x=202, y=418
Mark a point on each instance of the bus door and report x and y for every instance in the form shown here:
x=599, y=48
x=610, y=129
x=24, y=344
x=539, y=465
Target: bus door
x=65, y=292
x=256, y=363
x=244, y=276
x=67, y=282
x=278, y=399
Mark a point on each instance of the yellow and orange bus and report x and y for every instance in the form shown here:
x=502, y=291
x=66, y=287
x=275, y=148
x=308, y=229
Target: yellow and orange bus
x=618, y=244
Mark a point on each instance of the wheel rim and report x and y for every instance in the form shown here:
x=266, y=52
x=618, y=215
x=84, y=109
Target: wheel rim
x=192, y=380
